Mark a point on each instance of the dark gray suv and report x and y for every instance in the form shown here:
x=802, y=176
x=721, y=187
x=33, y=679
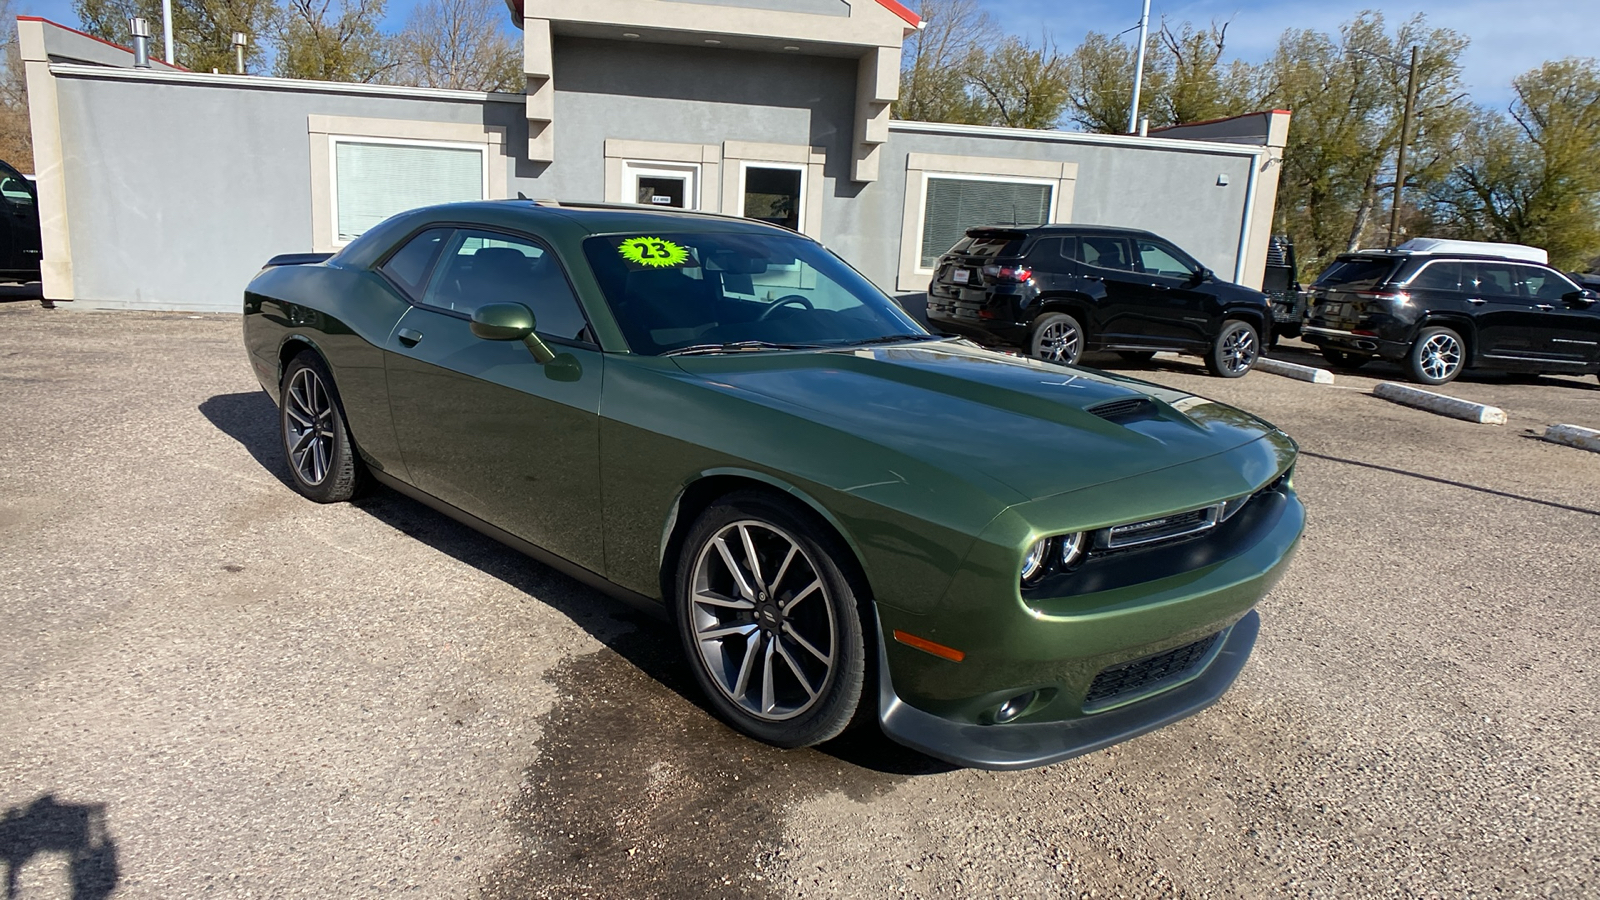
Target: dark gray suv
x=1438, y=313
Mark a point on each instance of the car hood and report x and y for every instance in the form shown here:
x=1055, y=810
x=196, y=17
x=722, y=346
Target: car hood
x=1038, y=429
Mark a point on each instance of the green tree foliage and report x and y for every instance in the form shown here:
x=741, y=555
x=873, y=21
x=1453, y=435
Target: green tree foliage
x=319, y=41
x=458, y=44
x=1018, y=85
x=1532, y=175
x=202, y=29
x=1195, y=84
x=1100, y=81
x=1347, y=94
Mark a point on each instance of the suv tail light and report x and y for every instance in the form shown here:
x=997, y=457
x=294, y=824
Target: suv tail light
x=1395, y=296
x=1008, y=274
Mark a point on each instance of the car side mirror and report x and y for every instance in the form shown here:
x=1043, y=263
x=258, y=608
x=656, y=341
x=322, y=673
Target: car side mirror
x=510, y=322
x=1203, y=274
x=1581, y=298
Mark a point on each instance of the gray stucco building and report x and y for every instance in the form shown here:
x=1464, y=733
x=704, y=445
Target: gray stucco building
x=161, y=188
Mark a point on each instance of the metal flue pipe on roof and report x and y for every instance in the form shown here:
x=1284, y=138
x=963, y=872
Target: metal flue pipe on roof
x=141, y=42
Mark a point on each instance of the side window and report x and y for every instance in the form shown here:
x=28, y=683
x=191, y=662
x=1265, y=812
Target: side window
x=482, y=267
x=1045, y=250
x=409, y=266
x=15, y=191
x=1543, y=284
x=1069, y=248
x=1105, y=252
x=1437, y=276
x=1495, y=279
x=1159, y=259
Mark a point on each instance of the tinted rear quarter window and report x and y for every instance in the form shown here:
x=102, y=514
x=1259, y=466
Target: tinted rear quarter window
x=409, y=266
x=1356, y=274
x=1437, y=276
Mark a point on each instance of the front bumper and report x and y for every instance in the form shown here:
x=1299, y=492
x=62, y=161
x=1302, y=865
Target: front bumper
x=1024, y=745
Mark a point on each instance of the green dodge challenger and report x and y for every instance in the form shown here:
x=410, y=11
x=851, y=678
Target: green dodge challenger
x=1005, y=562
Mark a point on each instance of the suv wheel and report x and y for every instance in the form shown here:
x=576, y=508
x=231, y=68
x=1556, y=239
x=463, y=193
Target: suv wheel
x=1235, y=349
x=1437, y=356
x=1057, y=337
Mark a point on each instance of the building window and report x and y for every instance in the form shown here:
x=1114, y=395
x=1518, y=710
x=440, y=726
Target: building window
x=662, y=184
x=952, y=204
x=373, y=180
x=774, y=193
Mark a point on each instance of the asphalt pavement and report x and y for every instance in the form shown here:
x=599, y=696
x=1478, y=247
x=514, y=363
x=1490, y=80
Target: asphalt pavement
x=211, y=687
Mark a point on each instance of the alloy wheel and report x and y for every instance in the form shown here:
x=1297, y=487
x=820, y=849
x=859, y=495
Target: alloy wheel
x=1440, y=356
x=1239, y=351
x=1058, y=342
x=763, y=620
x=308, y=426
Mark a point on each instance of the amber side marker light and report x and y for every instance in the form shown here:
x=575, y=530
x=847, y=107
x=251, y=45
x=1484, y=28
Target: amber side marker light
x=939, y=650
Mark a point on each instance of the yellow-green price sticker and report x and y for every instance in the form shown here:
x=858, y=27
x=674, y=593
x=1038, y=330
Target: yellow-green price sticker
x=653, y=252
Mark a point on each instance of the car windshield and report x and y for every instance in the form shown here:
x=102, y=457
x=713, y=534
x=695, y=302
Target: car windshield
x=734, y=292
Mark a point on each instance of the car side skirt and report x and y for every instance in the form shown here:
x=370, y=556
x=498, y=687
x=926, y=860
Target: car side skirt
x=1025, y=746
x=654, y=608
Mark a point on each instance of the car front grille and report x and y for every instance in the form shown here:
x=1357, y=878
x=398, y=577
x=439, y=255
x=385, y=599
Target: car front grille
x=1148, y=675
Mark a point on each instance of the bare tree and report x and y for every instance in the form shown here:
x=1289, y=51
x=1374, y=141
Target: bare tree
x=16, y=134
x=316, y=41
x=955, y=37
x=458, y=44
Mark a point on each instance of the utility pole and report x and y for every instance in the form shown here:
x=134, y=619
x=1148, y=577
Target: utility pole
x=1138, y=69
x=1400, y=158
x=166, y=28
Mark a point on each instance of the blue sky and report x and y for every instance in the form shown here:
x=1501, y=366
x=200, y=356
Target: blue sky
x=1508, y=38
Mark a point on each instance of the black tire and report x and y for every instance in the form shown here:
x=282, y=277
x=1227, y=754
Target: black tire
x=1344, y=359
x=316, y=444
x=1057, y=337
x=1137, y=356
x=1437, y=356
x=814, y=697
x=1236, y=348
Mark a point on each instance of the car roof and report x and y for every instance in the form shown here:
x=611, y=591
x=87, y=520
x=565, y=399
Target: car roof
x=1063, y=229
x=1425, y=257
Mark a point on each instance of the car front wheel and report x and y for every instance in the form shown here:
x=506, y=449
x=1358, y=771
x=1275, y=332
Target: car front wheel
x=322, y=462
x=1437, y=356
x=1235, y=349
x=770, y=622
x=1057, y=337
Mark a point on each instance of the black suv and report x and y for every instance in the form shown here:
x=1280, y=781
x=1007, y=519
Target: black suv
x=1058, y=290
x=1437, y=313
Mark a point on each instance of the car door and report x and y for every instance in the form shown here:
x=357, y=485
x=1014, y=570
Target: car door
x=1563, y=331
x=1179, y=307
x=1106, y=261
x=1503, y=317
x=481, y=424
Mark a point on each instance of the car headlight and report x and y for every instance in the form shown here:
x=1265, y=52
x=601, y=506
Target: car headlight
x=1056, y=553
x=1033, y=563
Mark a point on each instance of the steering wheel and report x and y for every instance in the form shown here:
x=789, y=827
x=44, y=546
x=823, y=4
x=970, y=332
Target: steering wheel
x=787, y=300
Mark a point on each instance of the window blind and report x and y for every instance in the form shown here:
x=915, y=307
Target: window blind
x=956, y=204
x=375, y=181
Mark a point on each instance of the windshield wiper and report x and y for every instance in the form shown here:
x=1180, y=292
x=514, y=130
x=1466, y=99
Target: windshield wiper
x=894, y=339
x=735, y=347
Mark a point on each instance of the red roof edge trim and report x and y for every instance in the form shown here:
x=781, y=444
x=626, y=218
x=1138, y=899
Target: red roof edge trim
x=102, y=40
x=912, y=19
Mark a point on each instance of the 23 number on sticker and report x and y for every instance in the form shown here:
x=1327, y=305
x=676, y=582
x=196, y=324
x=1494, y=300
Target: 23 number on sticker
x=653, y=252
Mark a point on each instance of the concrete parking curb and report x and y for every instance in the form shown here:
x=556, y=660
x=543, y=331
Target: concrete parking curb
x=1294, y=370
x=1439, y=403
x=1574, y=436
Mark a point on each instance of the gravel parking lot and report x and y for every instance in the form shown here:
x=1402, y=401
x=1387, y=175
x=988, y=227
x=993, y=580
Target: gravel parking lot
x=213, y=687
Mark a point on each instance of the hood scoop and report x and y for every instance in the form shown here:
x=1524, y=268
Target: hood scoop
x=1126, y=410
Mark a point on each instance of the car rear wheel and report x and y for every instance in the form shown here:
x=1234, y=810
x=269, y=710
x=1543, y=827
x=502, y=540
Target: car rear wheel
x=316, y=444
x=770, y=622
x=1235, y=349
x=1057, y=337
x=1137, y=356
x=1342, y=359
x=1437, y=356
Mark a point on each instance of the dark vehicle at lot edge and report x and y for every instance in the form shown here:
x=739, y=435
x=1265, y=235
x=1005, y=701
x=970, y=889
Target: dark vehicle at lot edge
x=1439, y=313
x=1058, y=290
x=1005, y=562
x=19, y=227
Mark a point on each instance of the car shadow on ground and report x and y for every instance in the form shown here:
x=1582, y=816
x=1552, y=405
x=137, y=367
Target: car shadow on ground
x=76, y=832
x=1384, y=370
x=644, y=641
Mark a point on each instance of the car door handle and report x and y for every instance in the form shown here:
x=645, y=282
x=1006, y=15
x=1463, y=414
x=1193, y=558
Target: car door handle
x=1160, y=287
x=408, y=337
x=1093, y=278
x=1479, y=301
x=1544, y=306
